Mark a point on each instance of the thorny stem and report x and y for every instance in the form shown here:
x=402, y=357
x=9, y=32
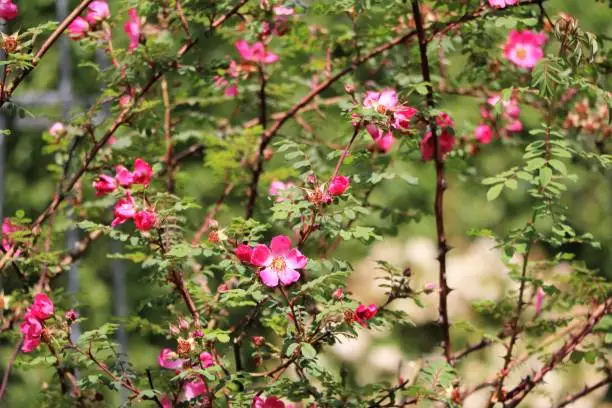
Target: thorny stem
x=346, y=151
x=157, y=401
x=570, y=399
x=517, y=394
x=514, y=326
x=441, y=186
x=168, y=134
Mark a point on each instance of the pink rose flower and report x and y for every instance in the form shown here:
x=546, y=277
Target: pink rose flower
x=170, y=360
x=502, y=3
x=280, y=262
x=71, y=315
x=278, y=188
x=255, y=53
x=515, y=126
x=524, y=48
x=338, y=185
x=364, y=313
x=77, y=30
x=142, y=172
x=243, y=252
x=145, y=220
x=124, y=210
x=444, y=120
x=104, y=185
x=446, y=140
x=484, y=134
x=166, y=402
x=8, y=10
x=132, y=29
x=207, y=359
x=57, y=130
x=402, y=117
x=384, y=141
x=31, y=328
x=385, y=100
x=193, y=389
x=231, y=91
x=42, y=308
x=124, y=176
x=270, y=402
x=98, y=11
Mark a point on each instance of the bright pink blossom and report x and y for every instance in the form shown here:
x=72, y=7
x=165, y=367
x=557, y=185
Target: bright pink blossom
x=446, y=140
x=165, y=401
x=145, y=220
x=243, y=252
x=124, y=210
x=125, y=100
x=524, y=48
x=31, y=328
x=124, y=176
x=502, y=3
x=8, y=10
x=384, y=141
x=104, y=185
x=57, y=130
x=255, y=53
x=280, y=262
x=444, y=120
x=97, y=11
x=77, y=30
x=338, y=185
x=207, y=359
x=364, y=313
x=7, y=229
x=193, y=389
x=231, y=91
x=270, y=402
x=514, y=126
x=71, y=315
x=402, y=117
x=142, y=172
x=170, y=360
x=132, y=29
x=42, y=308
x=385, y=100
x=484, y=134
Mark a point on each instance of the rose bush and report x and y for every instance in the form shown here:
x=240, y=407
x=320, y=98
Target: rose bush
x=236, y=156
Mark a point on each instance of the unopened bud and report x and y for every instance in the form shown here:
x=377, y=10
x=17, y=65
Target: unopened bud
x=349, y=89
x=429, y=287
x=268, y=153
x=338, y=294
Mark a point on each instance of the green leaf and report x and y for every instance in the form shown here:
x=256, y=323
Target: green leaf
x=545, y=175
x=512, y=184
x=494, y=192
x=308, y=351
x=559, y=166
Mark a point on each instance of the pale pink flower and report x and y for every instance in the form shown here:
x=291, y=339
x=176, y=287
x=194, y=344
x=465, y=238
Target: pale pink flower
x=193, y=389
x=502, y=3
x=385, y=100
x=124, y=176
x=338, y=294
x=511, y=107
x=338, y=185
x=364, y=313
x=280, y=262
x=524, y=48
x=98, y=11
x=8, y=10
x=42, y=308
x=514, y=126
x=124, y=210
x=255, y=53
x=170, y=360
x=539, y=300
x=104, y=185
x=278, y=189
x=206, y=359
x=57, y=130
x=125, y=100
x=132, y=29
x=484, y=134
x=77, y=30
x=145, y=220
x=446, y=140
x=283, y=11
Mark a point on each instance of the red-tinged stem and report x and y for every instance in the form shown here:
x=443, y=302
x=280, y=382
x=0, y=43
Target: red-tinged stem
x=570, y=399
x=441, y=186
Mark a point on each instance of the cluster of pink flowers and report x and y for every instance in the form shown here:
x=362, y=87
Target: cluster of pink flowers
x=279, y=24
x=8, y=10
x=319, y=194
x=7, y=229
x=502, y=3
x=509, y=118
x=524, y=48
x=400, y=117
x=446, y=138
x=278, y=263
x=269, y=402
x=194, y=386
x=125, y=208
x=32, y=325
x=97, y=11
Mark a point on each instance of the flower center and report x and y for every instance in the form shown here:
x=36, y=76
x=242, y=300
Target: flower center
x=521, y=53
x=279, y=264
